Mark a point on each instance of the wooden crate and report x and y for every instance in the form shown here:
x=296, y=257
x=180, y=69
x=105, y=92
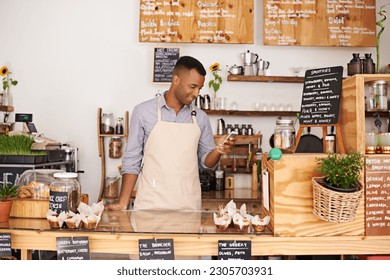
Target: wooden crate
x=29, y=208
x=291, y=200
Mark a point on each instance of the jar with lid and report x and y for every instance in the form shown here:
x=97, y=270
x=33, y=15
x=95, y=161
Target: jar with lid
x=250, y=129
x=111, y=187
x=229, y=129
x=236, y=129
x=284, y=135
x=107, y=125
x=377, y=95
x=119, y=126
x=330, y=144
x=64, y=192
x=115, y=147
x=244, y=130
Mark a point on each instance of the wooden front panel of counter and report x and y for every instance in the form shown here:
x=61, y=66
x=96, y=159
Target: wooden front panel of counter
x=291, y=200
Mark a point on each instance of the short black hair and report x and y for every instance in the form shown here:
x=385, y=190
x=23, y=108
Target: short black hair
x=189, y=63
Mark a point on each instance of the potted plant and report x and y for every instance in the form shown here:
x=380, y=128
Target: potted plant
x=16, y=149
x=7, y=193
x=336, y=195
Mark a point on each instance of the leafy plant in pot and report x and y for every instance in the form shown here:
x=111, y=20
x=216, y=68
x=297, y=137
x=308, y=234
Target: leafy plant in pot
x=337, y=195
x=8, y=193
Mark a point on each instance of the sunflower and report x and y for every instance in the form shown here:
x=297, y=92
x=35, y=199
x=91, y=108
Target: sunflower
x=214, y=67
x=4, y=71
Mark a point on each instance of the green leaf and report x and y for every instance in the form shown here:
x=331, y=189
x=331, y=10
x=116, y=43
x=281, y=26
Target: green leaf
x=14, y=82
x=211, y=83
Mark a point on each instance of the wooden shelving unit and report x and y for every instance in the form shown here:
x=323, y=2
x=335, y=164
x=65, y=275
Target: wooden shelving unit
x=265, y=79
x=251, y=113
x=101, y=146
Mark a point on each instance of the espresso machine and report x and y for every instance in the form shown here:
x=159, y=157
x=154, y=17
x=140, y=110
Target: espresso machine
x=249, y=60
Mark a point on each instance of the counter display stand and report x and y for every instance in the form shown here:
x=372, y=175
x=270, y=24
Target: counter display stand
x=101, y=146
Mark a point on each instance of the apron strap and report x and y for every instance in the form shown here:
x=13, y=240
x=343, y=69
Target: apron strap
x=158, y=109
x=193, y=114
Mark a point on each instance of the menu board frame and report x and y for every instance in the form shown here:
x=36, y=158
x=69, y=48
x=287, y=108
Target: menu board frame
x=164, y=60
x=332, y=23
x=320, y=103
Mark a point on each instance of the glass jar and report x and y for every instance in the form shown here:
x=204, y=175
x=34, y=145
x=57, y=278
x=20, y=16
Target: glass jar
x=119, y=126
x=107, y=125
x=64, y=192
x=377, y=99
x=236, y=129
x=284, y=135
x=229, y=129
x=115, y=147
x=250, y=129
x=244, y=130
x=111, y=187
x=330, y=144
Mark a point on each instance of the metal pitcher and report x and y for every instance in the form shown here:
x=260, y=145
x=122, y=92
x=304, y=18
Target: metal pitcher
x=221, y=127
x=206, y=102
x=249, y=58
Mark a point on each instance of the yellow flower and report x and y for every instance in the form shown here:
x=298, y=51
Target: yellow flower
x=216, y=82
x=214, y=67
x=4, y=71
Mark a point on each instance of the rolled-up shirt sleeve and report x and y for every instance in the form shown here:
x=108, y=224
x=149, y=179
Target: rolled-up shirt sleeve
x=206, y=141
x=132, y=158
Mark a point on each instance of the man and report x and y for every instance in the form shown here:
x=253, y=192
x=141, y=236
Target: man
x=171, y=137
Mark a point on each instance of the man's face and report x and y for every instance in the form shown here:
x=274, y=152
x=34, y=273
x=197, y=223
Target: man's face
x=188, y=85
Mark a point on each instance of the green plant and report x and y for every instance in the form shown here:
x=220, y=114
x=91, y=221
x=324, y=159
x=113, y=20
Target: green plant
x=216, y=82
x=17, y=145
x=8, y=191
x=341, y=170
x=380, y=23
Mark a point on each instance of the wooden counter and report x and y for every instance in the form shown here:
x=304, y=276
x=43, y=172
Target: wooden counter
x=193, y=233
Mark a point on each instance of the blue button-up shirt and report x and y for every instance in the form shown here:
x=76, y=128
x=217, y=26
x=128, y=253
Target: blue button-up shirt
x=143, y=120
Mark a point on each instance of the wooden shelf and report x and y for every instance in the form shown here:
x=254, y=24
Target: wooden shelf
x=251, y=113
x=265, y=79
x=381, y=113
x=7, y=108
x=111, y=135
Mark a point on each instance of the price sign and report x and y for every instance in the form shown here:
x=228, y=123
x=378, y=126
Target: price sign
x=156, y=249
x=5, y=245
x=234, y=250
x=73, y=248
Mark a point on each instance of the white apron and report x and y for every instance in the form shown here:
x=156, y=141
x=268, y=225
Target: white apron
x=170, y=175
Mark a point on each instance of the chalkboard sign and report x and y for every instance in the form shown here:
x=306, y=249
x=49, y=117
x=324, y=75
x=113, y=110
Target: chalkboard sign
x=73, y=248
x=156, y=249
x=377, y=195
x=234, y=250
x=58, y=201
x=164, y=62
x=321, y=96
x=320, y=23
x=5, y=245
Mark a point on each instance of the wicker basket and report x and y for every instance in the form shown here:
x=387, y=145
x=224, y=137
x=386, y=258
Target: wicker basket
x=333, y=206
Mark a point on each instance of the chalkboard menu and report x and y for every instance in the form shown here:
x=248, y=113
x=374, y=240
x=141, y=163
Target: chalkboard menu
x=5, y=245
x=164, y=62
x=320, y=23
x=206, y=21
x=156, y=249
x=377, y=195
x=321, y=96
x=234, y=250
x=73, y=248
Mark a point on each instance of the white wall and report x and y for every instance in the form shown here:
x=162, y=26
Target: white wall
x=73, y=56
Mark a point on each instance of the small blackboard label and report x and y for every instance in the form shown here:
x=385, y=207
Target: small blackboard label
x=156, y=249
x=58, y=201
x=234, y=250
x=5, y=245
x=321, y=96
x=73, y=248
x=164, y=62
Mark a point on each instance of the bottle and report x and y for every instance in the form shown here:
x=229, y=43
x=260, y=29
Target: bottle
x=229, y=129
x=64, y=192
x=355, y=65
x=368, y=64
x=219, y=174
x=115, y=147
x=236, y=129
x=107, y=125
x=119, y=126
